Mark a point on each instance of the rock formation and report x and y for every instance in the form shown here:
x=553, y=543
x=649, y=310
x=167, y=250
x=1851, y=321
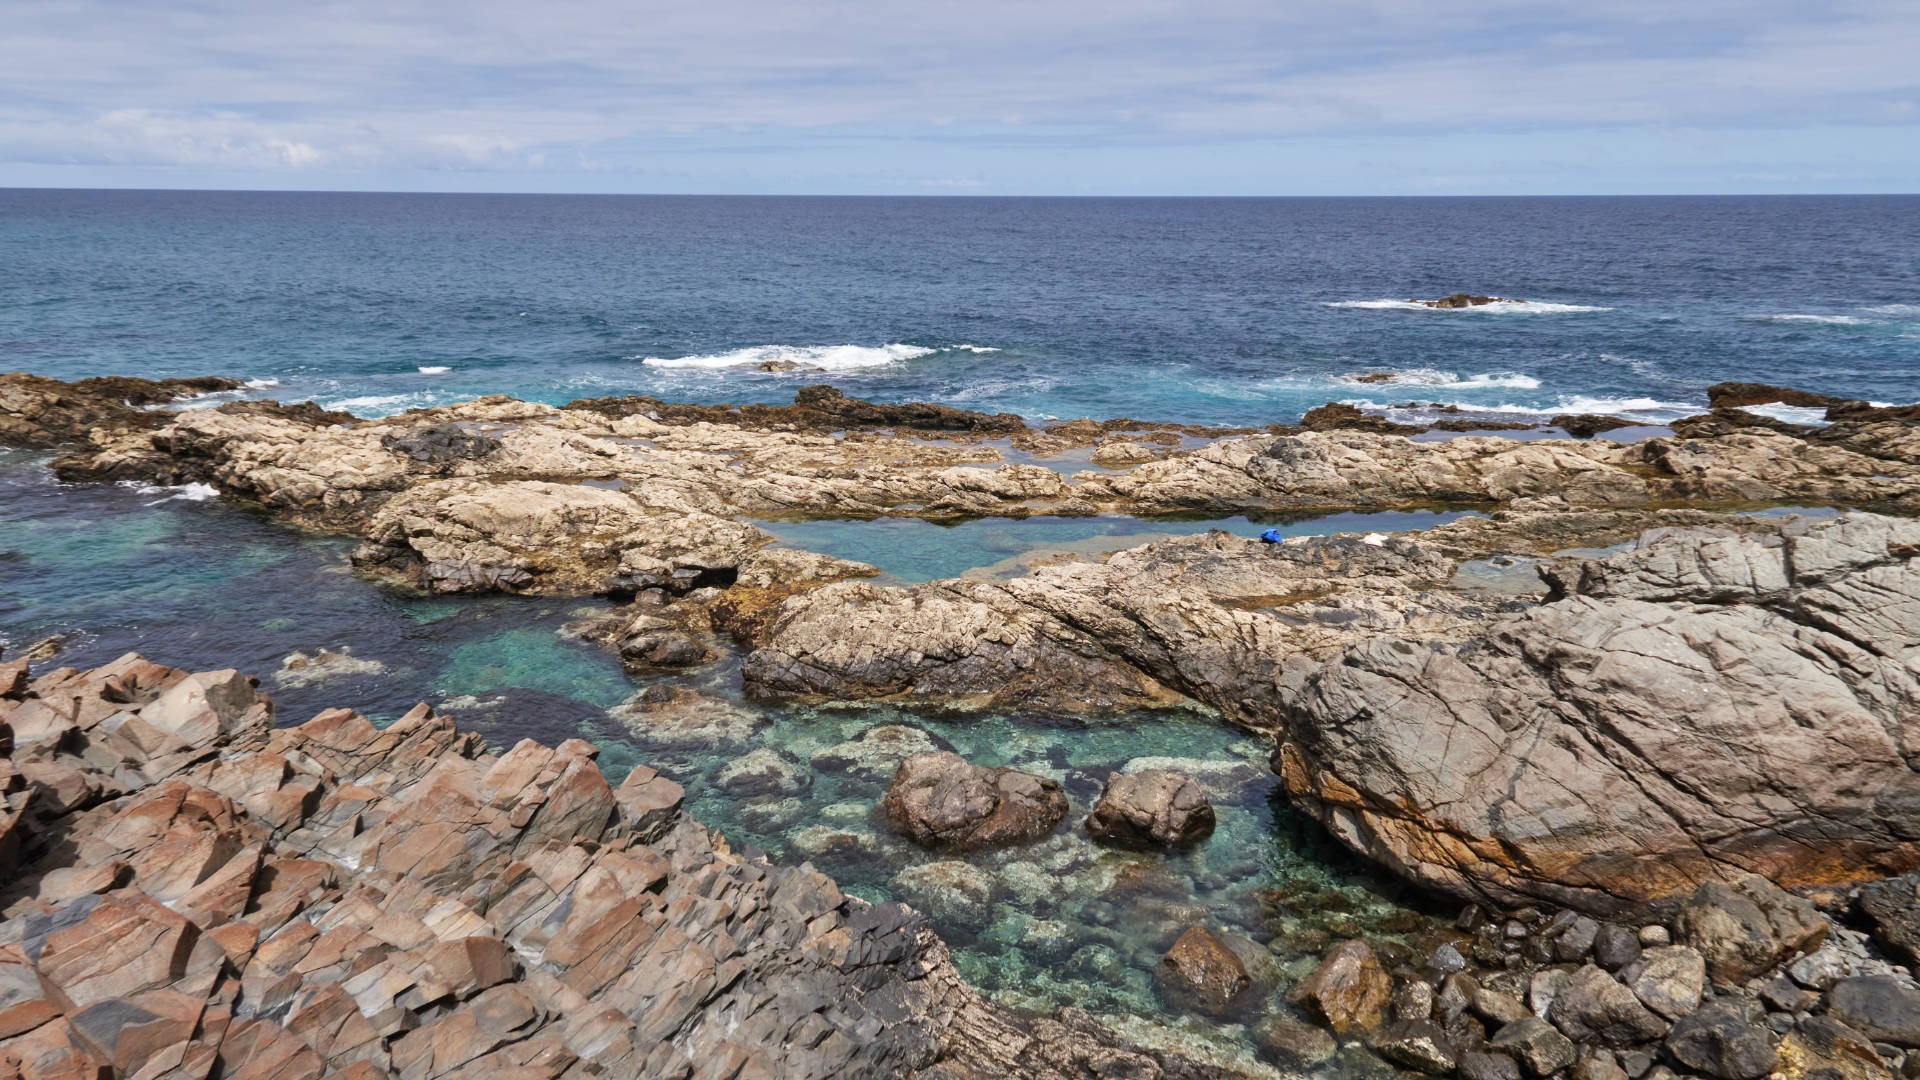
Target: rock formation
x=941, y=800
x=192, y=892
x=1152, y=808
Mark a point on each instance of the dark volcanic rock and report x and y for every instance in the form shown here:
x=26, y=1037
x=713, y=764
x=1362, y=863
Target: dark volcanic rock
x=1725, y=1039
x=1339, y=416
x=941, y=800
x=1587, y=425
x=1881, y=1007
x=1200, y=972
x=1739, y=395
x=1893, y=906
x=1154, y=808
x=41, y=412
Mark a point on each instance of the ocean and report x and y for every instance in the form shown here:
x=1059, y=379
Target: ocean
x=1223, y=311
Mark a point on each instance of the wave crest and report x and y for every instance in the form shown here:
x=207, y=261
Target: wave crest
x=827, y=357
x=1512, y=380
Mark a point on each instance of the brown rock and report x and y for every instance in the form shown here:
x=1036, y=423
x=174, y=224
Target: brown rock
x=1350, y=990
x=1154, y=808
x=940, y=800
x=1201, y=973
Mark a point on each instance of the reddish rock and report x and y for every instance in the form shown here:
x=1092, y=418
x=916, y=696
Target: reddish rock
x=941, y=800
x=1154, y=808
x=1350, y=990
x=1202, y=974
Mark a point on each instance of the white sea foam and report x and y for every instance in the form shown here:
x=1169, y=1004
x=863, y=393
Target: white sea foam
x=972, y=348
x=828, y=357
x=1894, y=309
x=1512, y=380
x=1498, y=307
x=1645, y=409
x=382, y=404
x=434, y=369
x=183, y=492
x=1792, y=414
x=261, y=384
x=1830, y=320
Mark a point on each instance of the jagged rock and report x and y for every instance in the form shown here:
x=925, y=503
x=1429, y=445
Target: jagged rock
x=1535, y=1044
x=1822, y=1046
x=41, y=412
x=1779, y=645
x=1893, y=906
x=1882, y=1007
x=1419, y=1045
x=1200, y=972
x=1596, y=1008
x=1156, y=808
x=1748, y=926
x=1724, y=1039
x=1597, y=1068
x=1587, y=425
x=942, y=801
x=241, y=900
x=1349, y=990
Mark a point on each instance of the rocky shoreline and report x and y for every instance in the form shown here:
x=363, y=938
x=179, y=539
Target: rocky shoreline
x=1658, y=774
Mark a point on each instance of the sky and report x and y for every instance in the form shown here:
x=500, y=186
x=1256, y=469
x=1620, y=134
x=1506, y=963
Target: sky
x=935, y=97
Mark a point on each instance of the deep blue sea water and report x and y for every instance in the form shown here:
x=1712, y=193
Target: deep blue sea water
x=1241, y=311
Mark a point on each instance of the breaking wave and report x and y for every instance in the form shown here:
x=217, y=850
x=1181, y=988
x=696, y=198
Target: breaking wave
x=826, y=357
x=1512, y=380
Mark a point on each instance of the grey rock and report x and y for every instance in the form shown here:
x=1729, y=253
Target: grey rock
x=1596, y=1008
x=1745, y=927
x=1447, y=960
x=1547, y=985
x=1615, y=946
x=1292, y=1044
x=1494, y=1066
x=1893, y=907
x=1635, y=1063
x=1156, y=808
x=1574, y=941
x=1668, y=979
x=1780, y=993
x=1539, y=1048
x=1497, y=1008
x=1821, y=968
x=1419, y=1045
x=1881, y=1007
x=1724, y=1039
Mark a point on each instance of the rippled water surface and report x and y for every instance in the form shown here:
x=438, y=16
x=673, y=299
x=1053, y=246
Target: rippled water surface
x=1241, y=311
x=196, y=583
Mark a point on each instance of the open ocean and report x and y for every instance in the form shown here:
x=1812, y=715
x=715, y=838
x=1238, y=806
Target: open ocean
x=1240, y=311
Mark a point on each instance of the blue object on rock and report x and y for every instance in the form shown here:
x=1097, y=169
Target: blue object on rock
x=1272, y=536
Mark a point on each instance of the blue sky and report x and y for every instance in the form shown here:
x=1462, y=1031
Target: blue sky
x=977, y=97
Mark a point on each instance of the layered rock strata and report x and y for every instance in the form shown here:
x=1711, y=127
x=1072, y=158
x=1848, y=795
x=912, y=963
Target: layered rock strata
x=194, y=893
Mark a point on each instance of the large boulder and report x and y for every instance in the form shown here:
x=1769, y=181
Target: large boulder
x=1893, y=907
x=1882, y=1007
x=1155, y=808
x=1597, y=1008
x=941, y=800
x=1701, y=707
x=1726, y=1040
x=1748, y=926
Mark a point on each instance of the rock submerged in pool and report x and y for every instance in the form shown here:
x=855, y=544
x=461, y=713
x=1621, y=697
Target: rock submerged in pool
x=943, y=801
x=1202, y=973
x=1155, y=808
x=1349, y=991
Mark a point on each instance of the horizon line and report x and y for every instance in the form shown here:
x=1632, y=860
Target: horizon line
x=953, y=195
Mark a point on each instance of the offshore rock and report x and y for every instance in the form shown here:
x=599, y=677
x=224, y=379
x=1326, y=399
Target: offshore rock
x=40, y=412
x=1155, y=808
x=194, y=892
x=941, y=800
x=1541, y=758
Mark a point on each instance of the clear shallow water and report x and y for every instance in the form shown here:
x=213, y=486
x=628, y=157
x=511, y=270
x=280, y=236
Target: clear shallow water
x=1242, y=311
x=202, y=584
x=911, y=550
